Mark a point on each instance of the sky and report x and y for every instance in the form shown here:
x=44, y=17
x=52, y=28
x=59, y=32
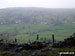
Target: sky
x=38, y=3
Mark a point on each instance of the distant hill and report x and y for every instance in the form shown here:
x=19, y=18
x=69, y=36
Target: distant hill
x=31, y=15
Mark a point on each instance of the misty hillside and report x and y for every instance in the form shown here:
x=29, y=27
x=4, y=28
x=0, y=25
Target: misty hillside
x=37, y=16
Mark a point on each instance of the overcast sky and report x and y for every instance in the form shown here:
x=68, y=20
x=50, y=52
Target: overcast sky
x=38, y=3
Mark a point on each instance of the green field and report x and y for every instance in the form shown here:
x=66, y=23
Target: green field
x=25, y=32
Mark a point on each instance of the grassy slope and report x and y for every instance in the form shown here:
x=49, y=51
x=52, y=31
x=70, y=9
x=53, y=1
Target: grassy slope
x=54, y=52
x=29, y=31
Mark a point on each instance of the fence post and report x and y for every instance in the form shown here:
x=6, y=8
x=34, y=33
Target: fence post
x=37, y=37
x=53, y=38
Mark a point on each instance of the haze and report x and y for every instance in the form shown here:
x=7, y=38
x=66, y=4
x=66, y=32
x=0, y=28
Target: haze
x=38, y=3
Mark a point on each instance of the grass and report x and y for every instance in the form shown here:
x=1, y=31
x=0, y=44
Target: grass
x=25, y=32
x=54, y=52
